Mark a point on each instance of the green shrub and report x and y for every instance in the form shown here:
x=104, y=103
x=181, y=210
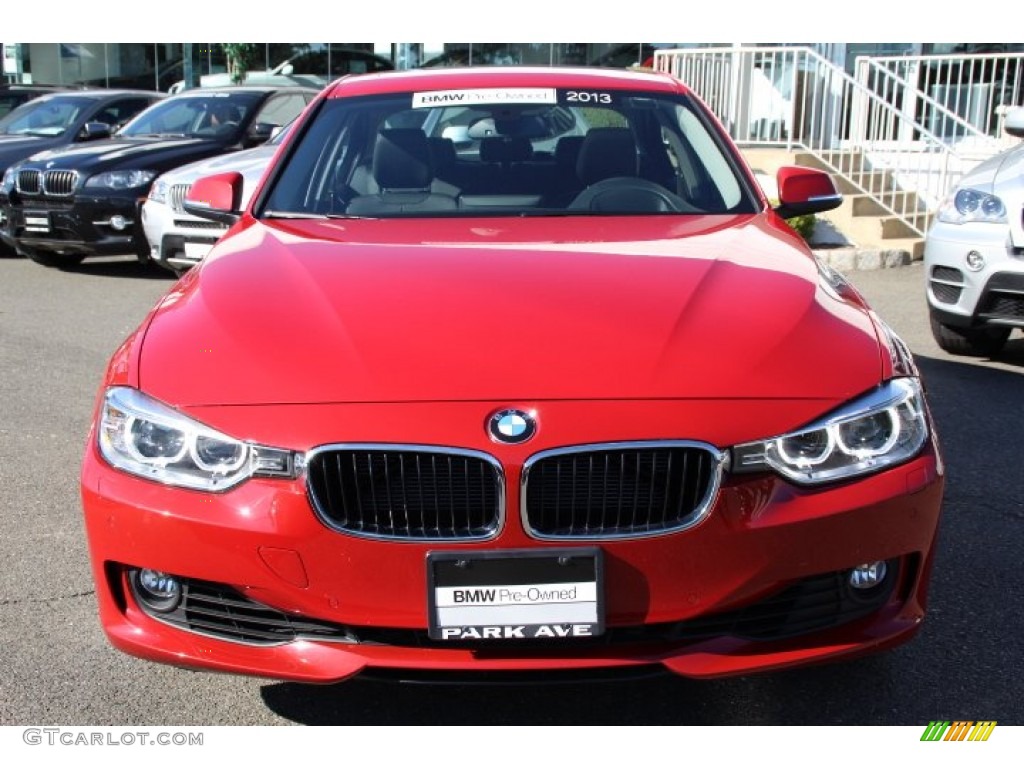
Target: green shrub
x=804, y=225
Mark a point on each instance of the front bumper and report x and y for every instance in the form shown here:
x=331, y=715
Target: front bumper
x=177, y=240
x=263, y=541
x=964, y=298
x=78, y=226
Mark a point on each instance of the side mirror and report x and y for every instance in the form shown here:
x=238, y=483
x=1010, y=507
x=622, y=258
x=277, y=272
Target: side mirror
x=1014, y=124
x=93, y=131
x=217, y=198
x=260, y=133
x=805, y=190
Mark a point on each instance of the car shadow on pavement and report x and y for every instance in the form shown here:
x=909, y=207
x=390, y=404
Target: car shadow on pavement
x=121, y=268
x=798, y=697
x=964, y=662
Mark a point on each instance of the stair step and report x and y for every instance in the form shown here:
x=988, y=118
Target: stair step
x=871, y=181
x=867, y=205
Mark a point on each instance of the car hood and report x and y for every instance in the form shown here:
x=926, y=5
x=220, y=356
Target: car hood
x=507, y=310
x=1003, y=176
x=15, y=148
x=153, y=153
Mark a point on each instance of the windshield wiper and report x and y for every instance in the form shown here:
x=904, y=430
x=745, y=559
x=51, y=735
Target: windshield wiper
x=293, y=215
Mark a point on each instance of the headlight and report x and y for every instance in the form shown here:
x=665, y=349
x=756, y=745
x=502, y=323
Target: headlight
x=8, y=181
x=144, y=437
x=158, y=192
x=972, y=205
x=876, y=431
x=121, y=179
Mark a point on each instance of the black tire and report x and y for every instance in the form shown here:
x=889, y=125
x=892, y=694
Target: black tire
x=979, y=342
x=50, y=259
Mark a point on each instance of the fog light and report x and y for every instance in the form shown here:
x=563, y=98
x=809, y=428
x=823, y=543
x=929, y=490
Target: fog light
x=868, y=575
x=975, y=261
x=154, y=251
x=159, y=591
x=120, y=223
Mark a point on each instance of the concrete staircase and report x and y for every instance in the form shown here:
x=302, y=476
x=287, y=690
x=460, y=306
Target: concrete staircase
x=862, y=219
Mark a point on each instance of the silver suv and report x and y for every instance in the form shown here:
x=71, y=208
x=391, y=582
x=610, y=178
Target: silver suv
x=974, y=255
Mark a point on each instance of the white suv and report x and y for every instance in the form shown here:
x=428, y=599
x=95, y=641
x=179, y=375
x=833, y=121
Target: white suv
x=974, y=255
x=178, y=240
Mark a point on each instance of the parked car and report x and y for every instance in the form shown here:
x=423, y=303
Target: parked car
x=177, y=239
x=972, y=255
x=311, y=68
x=60, y=119
x=599, y=408
x=67, y=204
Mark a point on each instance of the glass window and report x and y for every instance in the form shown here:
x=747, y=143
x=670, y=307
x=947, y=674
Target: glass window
x=48, y=116
x=568, y=152
x=280, y=110
x=195, y=113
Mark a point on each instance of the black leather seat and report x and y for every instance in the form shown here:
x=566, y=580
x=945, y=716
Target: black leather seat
x=608, y=166
x=404, y=172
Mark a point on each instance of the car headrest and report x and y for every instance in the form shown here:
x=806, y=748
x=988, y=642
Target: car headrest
x=401, y=159
x=442, y=152
x=567, y=151
x=606, y=153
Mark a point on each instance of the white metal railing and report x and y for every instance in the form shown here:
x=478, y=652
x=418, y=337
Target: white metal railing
x=976, y=87
x=903, y=148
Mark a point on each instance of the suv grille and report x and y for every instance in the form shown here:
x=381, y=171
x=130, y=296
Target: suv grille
x=59, y=183
x=29, y=182
x=52, y=183
x=176, y=195
x=619, y=490
x=407, y=492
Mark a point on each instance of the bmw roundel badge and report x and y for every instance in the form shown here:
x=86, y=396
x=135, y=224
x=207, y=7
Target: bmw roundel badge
x=512, y=426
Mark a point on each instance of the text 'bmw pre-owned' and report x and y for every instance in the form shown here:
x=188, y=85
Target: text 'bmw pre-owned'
x=510, y=370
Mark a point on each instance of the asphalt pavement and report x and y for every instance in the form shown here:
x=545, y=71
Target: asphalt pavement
x=58, y=328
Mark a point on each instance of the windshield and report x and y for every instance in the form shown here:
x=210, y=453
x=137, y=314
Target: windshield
x=201, y=115
x=508, y=152
x=44, y=117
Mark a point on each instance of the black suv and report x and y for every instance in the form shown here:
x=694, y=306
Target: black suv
x=63, y=117
x=64, y=205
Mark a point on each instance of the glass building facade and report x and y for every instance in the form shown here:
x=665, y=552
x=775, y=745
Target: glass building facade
x=160, y=65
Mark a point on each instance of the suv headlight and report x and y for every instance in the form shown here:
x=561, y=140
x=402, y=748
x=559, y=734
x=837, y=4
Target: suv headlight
x=144, y=437
x=876, y=431
x=120, y=179
x=8, y=181
x=158, y=192
x=968, y=205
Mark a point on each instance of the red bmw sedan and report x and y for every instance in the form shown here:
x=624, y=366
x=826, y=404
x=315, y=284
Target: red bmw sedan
x=510, y=370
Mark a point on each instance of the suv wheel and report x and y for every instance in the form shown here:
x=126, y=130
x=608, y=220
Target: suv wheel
x=981, y=342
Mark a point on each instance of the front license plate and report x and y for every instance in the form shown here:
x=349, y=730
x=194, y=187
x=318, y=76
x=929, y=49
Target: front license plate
x=37, y=222
x=515, y=594
x=197, y=251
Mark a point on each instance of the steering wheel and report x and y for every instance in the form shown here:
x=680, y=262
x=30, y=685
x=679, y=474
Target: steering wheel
x=629, y=194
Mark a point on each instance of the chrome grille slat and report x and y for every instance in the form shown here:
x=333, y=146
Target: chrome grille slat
x=619, y=490
x=176, y=196
x=419, y=493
